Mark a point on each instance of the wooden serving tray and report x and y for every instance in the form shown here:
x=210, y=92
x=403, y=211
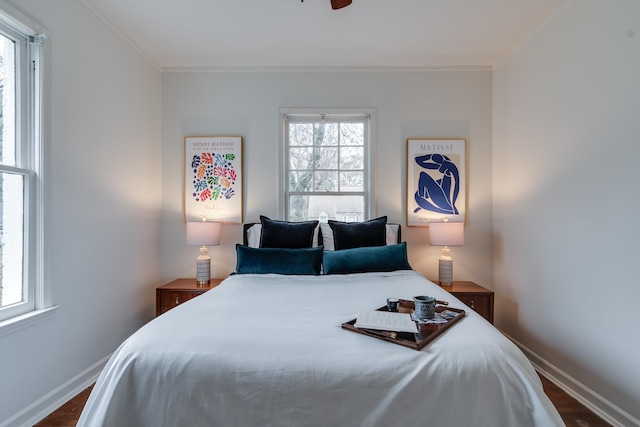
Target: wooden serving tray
x=427, y=331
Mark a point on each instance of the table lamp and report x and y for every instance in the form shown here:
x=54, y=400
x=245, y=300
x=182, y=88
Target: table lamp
x=205, y=233
x=446, y=234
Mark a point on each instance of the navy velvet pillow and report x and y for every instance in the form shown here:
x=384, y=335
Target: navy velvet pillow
x=348, y=235
x=284, y=234
x=278, y=260
x=367, y=259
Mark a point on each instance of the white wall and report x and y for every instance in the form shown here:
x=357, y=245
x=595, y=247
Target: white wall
x=566, y=207
x=103, y=214
x=561, y=201
x=408, y=104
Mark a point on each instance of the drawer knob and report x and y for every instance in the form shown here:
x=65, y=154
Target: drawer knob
x=177, y=300
x=473, y=303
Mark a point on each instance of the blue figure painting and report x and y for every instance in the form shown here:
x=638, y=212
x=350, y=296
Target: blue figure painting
x=437, y=195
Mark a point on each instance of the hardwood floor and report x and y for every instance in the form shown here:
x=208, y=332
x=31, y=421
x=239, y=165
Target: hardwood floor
x=68, y=414
x=573, y=413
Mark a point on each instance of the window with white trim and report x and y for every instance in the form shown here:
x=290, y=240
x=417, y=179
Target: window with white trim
x=327, y=165
x=20, y=167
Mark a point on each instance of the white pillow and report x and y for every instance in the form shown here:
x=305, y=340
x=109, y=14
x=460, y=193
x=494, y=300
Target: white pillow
x=327, y=235
x=392, y=233
x=255, y=231
x=253, y=235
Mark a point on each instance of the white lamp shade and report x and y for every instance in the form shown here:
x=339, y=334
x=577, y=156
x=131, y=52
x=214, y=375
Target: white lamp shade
x=205, y=233
x=446, y=233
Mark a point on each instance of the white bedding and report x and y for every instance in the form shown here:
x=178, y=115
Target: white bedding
x=268, y=350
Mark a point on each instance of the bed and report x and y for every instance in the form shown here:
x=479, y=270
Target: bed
x=267, y=349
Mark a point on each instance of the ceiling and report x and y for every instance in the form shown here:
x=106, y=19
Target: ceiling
x=223, y=34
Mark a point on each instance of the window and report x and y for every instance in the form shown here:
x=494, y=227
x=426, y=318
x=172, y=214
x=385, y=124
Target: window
x=20, y=168
x=327, y=173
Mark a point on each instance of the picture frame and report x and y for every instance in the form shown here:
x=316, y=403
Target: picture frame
x=436, y=180
x=213, y=178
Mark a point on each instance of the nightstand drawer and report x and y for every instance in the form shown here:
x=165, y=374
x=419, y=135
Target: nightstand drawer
x=170, y=299
x=475, y=296
x=480, y=303
x=175, y=293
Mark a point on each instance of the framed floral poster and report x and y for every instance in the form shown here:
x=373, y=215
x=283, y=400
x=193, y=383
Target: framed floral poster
x=436, y=182
x=213, y=178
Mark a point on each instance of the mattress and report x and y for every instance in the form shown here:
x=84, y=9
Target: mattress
x=269, y=350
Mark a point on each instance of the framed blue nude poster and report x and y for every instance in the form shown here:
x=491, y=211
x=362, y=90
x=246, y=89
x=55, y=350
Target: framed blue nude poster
x=436, y=181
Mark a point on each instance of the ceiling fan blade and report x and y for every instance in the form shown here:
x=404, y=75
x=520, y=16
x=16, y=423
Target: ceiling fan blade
x=339, y=4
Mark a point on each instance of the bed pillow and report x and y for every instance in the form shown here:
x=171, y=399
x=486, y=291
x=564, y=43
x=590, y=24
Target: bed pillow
x=285, y=234
x=306, y=261
x=253, y=235
x=255, y=231
x=349, y=235
x=366, y=259
x=327, y=235
x=392, y=233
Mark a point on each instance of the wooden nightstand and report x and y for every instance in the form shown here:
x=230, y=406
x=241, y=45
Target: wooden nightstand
x=475, y=296
x=180, y=290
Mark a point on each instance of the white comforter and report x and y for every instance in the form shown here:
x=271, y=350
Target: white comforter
x=268, y=350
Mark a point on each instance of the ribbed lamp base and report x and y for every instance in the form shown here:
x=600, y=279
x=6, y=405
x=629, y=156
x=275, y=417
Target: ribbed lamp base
x=203, y=270
x=445, y=272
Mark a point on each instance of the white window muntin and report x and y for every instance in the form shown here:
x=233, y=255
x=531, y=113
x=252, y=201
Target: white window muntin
x=338, y=115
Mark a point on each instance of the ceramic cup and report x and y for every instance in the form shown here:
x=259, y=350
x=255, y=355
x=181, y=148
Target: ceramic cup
x=393, y=304
x=425, y=307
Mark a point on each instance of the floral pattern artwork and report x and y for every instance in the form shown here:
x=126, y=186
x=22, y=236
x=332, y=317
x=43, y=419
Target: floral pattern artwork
x=435, y=180
x=213, y=178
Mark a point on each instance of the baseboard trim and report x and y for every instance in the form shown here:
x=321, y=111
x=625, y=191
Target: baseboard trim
x=56, y=398
x=600, y=406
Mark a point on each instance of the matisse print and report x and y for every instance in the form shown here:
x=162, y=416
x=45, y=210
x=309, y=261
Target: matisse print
x=213, y=178
x=435, y=180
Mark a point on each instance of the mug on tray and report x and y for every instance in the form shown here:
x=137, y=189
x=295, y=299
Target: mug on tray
x=425, y=307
